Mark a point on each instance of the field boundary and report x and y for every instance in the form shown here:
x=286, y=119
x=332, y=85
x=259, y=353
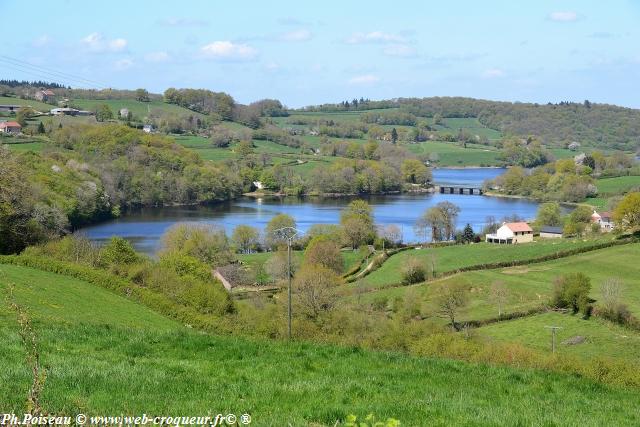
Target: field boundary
x=514, y=263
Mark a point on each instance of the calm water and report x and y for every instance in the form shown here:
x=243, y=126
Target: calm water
x=144, y=228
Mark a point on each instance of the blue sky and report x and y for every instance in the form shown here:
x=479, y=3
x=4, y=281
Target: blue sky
x=313, y=52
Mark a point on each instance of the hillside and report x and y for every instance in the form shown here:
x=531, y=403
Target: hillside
x=120, y=346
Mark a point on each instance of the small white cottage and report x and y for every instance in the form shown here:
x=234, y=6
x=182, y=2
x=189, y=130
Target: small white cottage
x=511, y=233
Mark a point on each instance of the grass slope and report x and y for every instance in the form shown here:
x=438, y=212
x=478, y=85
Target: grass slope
x=450, y=258
x=97, y=363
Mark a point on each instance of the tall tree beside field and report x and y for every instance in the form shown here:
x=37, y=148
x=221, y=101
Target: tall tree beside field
x=142, y=95
x=415, y=172
x=324, y=252
x=357, y=223
x=451, y=300
x=627, y=213
x=245, y=238
x=207, y=243
x=549, y=214
x=394, y=135
x=103, y=113
x=274, y=237
x=315, y=290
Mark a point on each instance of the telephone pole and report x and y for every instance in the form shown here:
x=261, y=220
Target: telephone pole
x=553, y=337
x=288, y=233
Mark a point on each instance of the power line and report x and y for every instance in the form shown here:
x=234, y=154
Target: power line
x=51, y=72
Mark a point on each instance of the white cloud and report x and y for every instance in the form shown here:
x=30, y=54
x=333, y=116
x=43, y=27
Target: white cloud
x=226, y=50
x=123, y=64
x=399, y=50
x=493, y=73
x=96, y=42
x=300, y=35
x=157, y=57
x=374, y=37
x=183, y=22
x=366, y=79
x=272, y=66
x=117, y=45
x=42, y=41
x=566, y=16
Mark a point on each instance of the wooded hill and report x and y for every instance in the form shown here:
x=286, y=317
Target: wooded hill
x=600, y=125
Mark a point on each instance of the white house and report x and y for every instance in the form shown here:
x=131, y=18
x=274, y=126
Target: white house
x=124, y=113
x=604, y=219
x=147, y=128
x=511, y=233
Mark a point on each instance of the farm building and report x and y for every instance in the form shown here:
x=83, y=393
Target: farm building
x=10, y=108
x=12, y=128
x=44, y=95
x=549, y=232
x=604, y=219
x=124, y=112
x=511, y=233
x=148, y=128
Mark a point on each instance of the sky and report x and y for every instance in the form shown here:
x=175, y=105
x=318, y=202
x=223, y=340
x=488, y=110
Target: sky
x=305, y=53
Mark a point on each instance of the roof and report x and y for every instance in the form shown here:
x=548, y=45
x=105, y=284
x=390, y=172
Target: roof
x=551, y=230
x=606, y=214
x=518, y=226
x=47, y=92
x=10, y=124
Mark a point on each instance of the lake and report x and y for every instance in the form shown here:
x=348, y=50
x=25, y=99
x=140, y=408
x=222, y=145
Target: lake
x=145, y=226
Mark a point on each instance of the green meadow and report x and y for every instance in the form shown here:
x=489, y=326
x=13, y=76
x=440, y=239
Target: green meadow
x=105, y=354
x=451, y=258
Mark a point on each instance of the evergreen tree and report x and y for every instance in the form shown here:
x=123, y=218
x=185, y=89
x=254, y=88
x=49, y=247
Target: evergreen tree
x=394, y=135
x=41, y=128
x=467, y=234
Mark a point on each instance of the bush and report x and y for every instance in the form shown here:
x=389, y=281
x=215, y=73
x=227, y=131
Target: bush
x=118, y=252
x=572, y=291
x=413, y=272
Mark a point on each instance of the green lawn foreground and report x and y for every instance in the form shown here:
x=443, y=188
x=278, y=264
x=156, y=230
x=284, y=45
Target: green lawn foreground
x=105, y=354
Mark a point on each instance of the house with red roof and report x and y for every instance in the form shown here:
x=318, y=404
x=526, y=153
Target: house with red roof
x=45, y=95
x=511, y=233
x=12, y=128
x=604, y=219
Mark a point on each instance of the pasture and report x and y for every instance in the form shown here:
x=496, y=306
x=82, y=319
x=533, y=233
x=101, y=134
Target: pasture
x=97, y=362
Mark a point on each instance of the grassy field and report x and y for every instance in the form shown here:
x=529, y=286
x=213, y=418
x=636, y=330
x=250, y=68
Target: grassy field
x=106, y=355
x=470, y=125
x=137, y=108
x=451, y=154
x=602, y=338
x=617, y=185
x=38, y=106
x=528, y=286
x=453, y=257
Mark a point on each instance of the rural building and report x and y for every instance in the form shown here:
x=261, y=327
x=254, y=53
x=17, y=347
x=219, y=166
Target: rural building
x=124, y=112
x=70, y=112
x=511, y=233
x=10, y=108
x=44, y=95
x=148, y=128
x=12, y=128
x=549, y=232
x=604, y=219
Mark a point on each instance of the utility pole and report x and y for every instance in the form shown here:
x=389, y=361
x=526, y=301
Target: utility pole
x=288, y=233
x=553, y=337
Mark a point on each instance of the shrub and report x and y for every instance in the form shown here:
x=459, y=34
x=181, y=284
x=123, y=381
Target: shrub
x=413, y=272
x=118, y=252
x=325, y=252
x=572, y=291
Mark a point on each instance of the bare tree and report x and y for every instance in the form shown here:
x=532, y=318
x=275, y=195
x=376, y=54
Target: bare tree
x=499, y=295
x=315, y=291
x=611, y=290
x=449, y=303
